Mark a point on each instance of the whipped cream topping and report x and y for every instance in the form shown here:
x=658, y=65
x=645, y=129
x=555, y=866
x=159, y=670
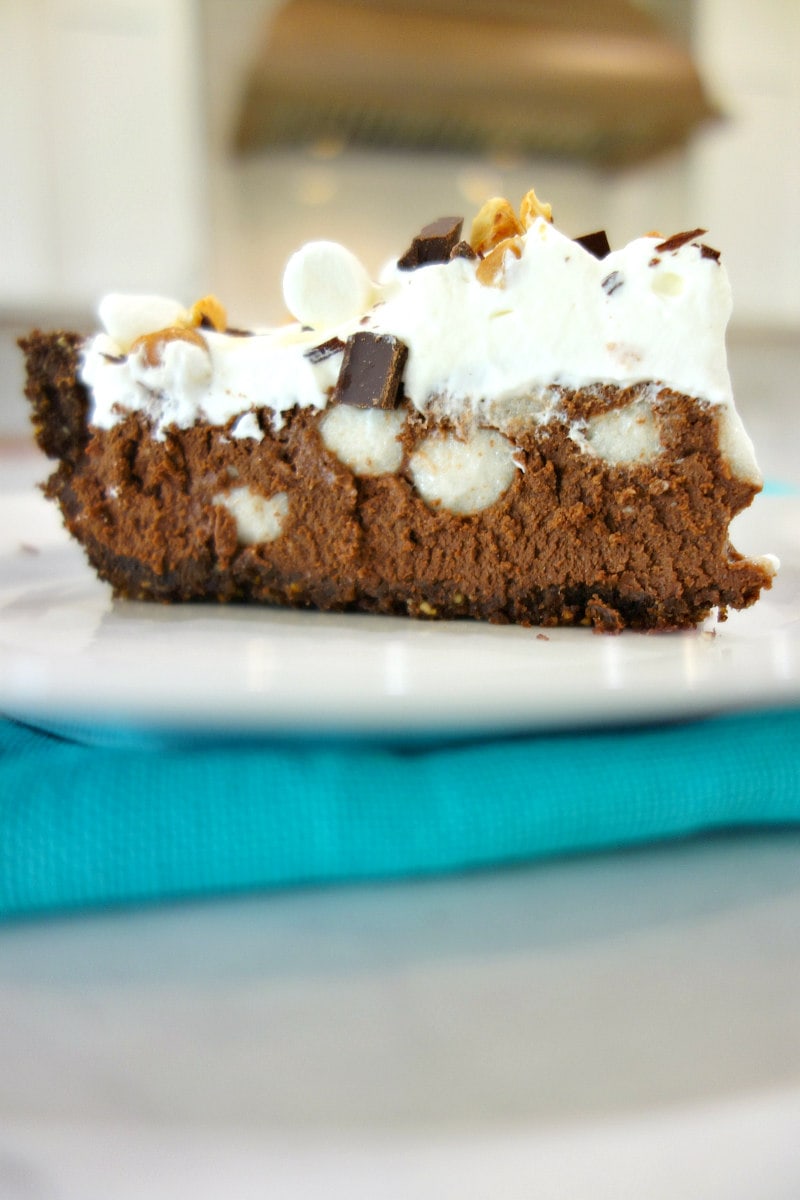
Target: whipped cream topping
x=561, y=316
x=553, y=316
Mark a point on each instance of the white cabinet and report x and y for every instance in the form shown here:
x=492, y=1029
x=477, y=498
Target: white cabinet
x=102, y=149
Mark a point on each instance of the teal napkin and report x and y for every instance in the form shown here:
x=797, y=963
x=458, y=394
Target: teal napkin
x=85, y=825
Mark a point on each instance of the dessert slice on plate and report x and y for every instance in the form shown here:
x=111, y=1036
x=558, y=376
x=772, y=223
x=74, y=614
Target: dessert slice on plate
x=515, y=426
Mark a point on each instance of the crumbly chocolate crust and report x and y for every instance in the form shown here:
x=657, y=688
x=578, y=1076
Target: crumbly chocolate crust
x=573, y=541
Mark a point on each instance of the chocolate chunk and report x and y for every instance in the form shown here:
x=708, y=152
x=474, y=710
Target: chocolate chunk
x=318, y=354
x=612, y=282
x=596, y=243
x=679, y=239
x=709, y=252
x=432, y=244
x=371, y=371
x=462, y=250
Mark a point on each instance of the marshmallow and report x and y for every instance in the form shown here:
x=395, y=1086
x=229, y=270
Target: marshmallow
x=325, y=284
x=258, y=518
x=463, y=476
x=364, y=439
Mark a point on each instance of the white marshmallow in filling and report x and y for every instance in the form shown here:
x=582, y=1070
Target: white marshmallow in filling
x=364, y=439
x=258, y=518
x=463, y=477
x=623, y=435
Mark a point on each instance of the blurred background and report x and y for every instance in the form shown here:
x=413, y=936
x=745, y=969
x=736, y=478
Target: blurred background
x=186, y=146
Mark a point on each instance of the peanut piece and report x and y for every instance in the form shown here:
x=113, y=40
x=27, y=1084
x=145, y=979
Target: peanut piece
x=532, y=207
x=496, y=222
x=151, y=345
x=491, y=269
x=209, y=312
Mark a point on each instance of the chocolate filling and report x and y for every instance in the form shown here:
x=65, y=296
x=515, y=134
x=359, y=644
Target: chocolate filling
x=572, y=540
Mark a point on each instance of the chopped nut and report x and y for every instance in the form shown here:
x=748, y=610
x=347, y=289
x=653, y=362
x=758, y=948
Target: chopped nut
x=426, y=609
x=209, y=313
x=496, y=222
x=151, y=345
x=491, y=269
x=532, y=207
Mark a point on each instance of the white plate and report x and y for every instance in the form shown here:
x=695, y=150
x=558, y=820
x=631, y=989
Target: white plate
x=69, y=653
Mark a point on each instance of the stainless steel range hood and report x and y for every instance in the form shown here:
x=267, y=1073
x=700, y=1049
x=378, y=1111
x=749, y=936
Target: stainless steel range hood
x=599, y=81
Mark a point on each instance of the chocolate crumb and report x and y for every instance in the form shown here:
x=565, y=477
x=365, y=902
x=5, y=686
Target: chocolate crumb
x=612, y=282
x=462, y=250
x=679, y=239
x=542, y=637
x=709, y=252
x=434, y=243
x=654, y=261
x=113, y=358
x=371, y=371
x=318, y=354
x=231, y=332
x=604, y=617
x=596, y=243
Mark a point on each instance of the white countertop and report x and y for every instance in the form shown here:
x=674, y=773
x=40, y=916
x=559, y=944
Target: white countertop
x=589, y=1024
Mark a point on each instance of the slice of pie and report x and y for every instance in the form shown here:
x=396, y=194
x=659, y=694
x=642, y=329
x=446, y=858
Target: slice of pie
x=516, y=426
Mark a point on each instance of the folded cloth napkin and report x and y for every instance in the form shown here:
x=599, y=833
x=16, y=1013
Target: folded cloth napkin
x=85, y=825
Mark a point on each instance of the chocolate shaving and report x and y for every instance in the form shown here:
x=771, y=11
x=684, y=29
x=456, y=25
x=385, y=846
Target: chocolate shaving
x=709, y=252
x=318, y=354
x=462, y=250
x=432, y=244
x=231, y=332
x=113, y=358
x=371, y=371
x=612, y=282
x=654, y=261
x=679, y=239
x=596, y=243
